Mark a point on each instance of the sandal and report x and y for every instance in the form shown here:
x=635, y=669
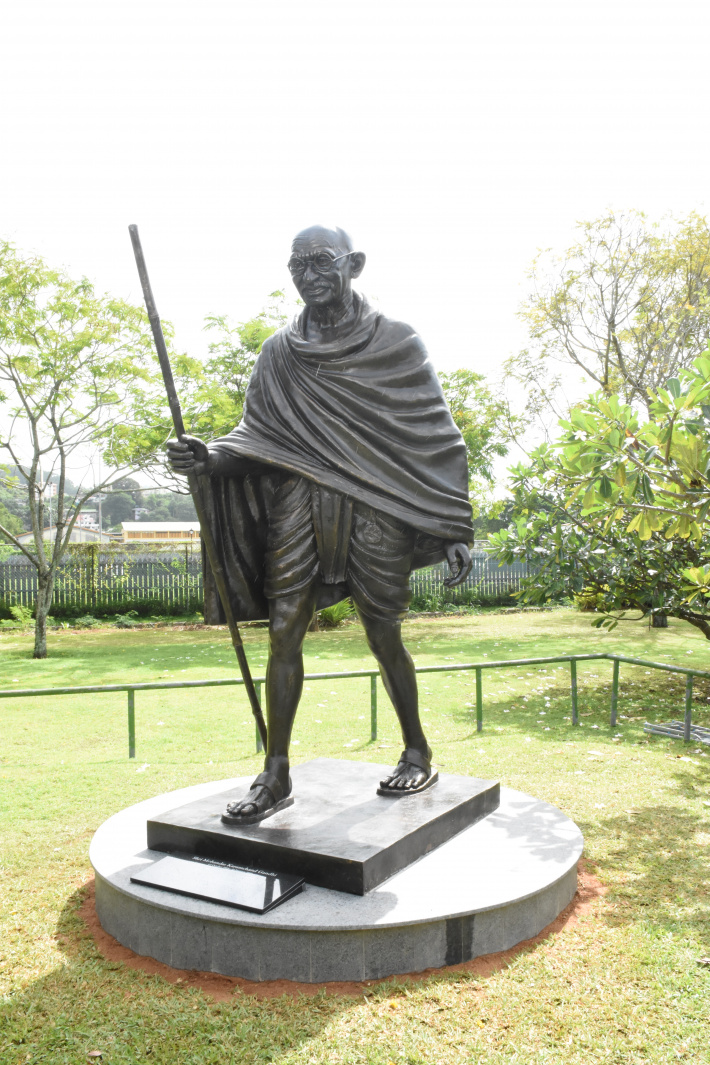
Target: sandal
x=416, y=759
x=273, y=785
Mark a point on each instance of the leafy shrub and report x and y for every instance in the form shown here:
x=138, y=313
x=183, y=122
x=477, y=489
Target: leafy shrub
x=144, y=608
x=330, y=617
x=21, y=614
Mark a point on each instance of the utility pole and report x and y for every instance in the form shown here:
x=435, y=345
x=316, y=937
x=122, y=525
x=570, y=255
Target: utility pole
x=99, y=497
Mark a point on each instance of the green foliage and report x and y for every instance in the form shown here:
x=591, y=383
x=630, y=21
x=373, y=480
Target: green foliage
x=10, y=521
x=21, y=614
x=617, y=508
x=117, y=507
x=330, y=617
x=484, y=420
x=628, y=305
x=212, y=392
x=77, y=374
x=165, y=506
x=70, y=360
x=487, y=427
x=654, y=475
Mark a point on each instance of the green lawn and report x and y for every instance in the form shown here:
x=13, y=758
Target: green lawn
x=623, y=985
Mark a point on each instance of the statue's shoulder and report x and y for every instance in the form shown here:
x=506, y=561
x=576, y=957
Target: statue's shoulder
x=276, y=341
x=395, y=332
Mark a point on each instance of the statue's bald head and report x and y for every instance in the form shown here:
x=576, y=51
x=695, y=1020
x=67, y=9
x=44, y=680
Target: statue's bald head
x=323, y=264
x=323, y=237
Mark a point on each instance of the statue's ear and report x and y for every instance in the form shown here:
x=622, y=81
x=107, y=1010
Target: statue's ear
x=357, y=263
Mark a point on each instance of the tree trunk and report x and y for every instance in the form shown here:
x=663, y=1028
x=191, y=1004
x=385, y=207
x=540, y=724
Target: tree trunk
x=699, y=623
x=45, y=592
x=659, y=621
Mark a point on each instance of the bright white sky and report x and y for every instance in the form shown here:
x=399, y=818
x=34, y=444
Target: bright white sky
x=452, y=139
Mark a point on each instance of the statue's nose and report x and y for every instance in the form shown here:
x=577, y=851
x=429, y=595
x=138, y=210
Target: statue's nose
x=310, y=273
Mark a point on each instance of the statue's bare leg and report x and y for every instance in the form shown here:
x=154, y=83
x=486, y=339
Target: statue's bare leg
x=400, y=680
x=289, y=618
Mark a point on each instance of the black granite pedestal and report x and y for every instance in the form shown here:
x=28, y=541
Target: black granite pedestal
x=339, y=833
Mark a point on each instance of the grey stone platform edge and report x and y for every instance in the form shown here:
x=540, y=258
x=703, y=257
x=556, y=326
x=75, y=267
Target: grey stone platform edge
x=495, y=884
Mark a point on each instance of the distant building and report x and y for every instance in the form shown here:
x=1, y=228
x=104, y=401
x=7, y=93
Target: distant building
x=79, y=535
x=150, y=531
x=88, y=519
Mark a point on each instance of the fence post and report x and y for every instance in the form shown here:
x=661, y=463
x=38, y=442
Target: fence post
x=259, y=744
x=687, y=724
x=131, y=723
x=479, y=700
x=373, y=707
x=573, y=687
x=614, y=692
x=93, y=575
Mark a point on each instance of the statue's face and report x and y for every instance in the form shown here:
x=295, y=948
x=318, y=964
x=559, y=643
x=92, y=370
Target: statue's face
x=322, y=266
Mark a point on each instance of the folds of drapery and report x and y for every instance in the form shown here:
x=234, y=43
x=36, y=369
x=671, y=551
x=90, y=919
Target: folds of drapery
x=366, y=418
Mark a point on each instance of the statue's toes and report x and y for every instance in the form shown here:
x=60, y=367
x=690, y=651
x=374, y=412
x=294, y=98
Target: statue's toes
x=242, y=808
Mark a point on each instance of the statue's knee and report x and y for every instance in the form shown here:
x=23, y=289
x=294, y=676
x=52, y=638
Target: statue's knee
x=384, y=640
x=287, y=630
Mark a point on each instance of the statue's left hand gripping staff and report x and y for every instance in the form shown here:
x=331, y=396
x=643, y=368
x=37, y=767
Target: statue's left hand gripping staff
x=205, y=529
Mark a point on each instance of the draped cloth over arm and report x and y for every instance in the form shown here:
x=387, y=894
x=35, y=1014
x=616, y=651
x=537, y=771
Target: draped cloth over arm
x=365, y=417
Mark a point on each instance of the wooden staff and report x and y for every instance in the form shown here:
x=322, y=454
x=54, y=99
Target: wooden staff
x=213, y=557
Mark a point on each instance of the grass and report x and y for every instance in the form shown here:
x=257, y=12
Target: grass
x=622, y=986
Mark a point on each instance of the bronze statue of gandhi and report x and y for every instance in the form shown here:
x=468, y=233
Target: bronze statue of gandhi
x=345, y=473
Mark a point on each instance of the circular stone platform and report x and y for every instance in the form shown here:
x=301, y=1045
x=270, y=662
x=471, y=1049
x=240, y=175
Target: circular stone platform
x=491, y=886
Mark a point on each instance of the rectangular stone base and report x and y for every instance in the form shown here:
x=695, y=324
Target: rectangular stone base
x=339, y=833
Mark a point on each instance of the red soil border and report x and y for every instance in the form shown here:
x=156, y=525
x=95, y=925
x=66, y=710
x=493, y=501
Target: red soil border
x=222, y=988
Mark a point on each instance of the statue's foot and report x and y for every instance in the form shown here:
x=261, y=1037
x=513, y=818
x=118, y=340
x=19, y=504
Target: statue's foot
x=265, y=798
x=412, y=774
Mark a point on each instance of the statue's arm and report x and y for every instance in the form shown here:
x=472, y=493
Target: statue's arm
x=460, y=562
x=192, y=455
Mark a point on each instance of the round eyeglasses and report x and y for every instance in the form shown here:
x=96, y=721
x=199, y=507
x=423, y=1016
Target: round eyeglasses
x=322, y=262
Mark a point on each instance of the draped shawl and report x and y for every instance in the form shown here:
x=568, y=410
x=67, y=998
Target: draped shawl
x=364, y=416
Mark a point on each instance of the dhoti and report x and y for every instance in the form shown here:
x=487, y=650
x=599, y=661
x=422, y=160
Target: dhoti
x=316, y=534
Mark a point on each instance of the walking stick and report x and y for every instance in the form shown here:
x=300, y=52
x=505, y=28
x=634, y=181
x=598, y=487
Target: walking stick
x=205, y=529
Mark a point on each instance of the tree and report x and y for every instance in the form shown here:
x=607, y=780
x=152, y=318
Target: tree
x=628, y=305
x=487, y=427
x=10, y=521
x=76, y=370
x=117, y=507
x=212, y=393
x=618, y=508
x=168, y=506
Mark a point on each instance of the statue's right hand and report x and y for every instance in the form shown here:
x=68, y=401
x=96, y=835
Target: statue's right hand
x=188, y=455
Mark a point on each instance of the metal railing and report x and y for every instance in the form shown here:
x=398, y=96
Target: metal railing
x=373, y=674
